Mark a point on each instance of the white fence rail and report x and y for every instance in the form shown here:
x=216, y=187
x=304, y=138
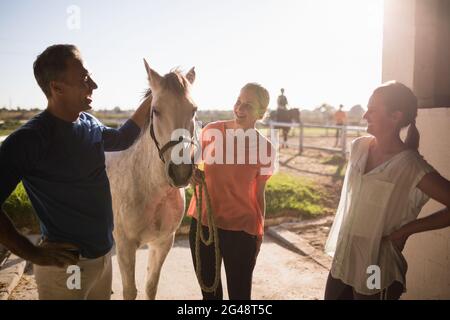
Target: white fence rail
x=301, y=146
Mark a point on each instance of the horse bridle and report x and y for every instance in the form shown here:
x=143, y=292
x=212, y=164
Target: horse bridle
x=169, y=144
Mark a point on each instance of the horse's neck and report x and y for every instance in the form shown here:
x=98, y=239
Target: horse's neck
x=145, y=159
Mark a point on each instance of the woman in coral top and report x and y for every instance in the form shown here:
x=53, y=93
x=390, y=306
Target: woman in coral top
x=238, y=161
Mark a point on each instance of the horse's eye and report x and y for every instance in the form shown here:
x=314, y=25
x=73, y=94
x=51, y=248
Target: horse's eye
x=155, y=112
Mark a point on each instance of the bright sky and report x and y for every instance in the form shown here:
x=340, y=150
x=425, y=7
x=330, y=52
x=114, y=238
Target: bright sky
x=318, y=50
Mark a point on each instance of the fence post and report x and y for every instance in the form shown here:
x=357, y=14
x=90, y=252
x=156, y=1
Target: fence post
x=271, y=134
x=344, y=140
x=300, y=147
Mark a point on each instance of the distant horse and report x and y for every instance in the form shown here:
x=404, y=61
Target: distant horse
x=146, y=186
x=280, y=115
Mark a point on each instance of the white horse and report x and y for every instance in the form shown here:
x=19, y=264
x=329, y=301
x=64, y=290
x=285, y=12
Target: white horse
x=147, y=186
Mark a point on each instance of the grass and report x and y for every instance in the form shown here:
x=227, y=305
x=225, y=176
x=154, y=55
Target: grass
x=338, y=162
x=285, y=196
x=6, y=132
x=8, y=127
x=111, y=116
x=189, y=193
x=19, y=209
x=334, y=159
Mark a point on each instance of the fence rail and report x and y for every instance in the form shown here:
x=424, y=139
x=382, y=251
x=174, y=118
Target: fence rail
x=301, y=146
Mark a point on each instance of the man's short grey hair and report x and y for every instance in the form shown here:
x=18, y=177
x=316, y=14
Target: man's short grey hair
x=51, y=64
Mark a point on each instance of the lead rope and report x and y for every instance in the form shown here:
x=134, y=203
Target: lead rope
x=212, y=236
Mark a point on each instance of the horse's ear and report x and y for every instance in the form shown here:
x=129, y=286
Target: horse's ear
x=191, y=75
x=154, y=78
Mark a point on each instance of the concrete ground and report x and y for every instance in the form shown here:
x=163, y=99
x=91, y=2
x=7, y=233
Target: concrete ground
x=280, y=273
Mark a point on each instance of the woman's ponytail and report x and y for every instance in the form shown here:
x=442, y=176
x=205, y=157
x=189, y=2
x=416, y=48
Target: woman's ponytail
x=413, y=136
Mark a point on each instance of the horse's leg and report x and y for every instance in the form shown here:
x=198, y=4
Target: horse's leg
x=157, y=253
x=126, y=256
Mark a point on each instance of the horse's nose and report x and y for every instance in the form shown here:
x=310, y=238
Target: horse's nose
x=179, y=174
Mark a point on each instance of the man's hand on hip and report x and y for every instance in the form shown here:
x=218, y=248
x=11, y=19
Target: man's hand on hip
x=55, y=254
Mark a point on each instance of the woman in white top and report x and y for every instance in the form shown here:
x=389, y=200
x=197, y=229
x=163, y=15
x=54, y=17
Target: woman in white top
x=386, y=184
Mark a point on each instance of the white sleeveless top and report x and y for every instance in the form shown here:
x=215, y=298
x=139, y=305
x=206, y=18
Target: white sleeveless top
x=372, y=206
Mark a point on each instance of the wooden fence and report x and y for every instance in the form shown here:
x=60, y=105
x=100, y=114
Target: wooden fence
x=344, y=130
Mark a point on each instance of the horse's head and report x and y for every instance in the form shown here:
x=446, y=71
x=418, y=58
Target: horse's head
x=172, y=122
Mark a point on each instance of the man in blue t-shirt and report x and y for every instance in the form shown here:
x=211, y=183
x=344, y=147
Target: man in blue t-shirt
x=59, y=157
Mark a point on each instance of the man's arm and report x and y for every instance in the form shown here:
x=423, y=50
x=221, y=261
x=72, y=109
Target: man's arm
x=122, y=138
x=13, y=240
x=22, y=247
x=141, y=115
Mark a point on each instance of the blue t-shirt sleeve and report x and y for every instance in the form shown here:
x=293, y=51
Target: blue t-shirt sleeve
x=19, y=154
x=122, y=138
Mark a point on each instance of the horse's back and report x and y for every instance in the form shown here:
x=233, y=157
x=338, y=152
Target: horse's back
x=287, y=116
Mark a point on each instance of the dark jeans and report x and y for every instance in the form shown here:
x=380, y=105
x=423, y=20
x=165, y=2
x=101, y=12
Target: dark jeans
x=239, y=251
x=338, y=290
